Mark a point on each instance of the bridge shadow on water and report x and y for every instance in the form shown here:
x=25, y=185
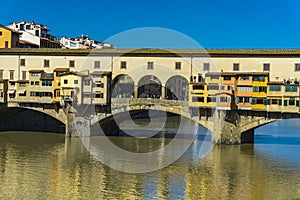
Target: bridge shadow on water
x=174, y=126
x=22, y=119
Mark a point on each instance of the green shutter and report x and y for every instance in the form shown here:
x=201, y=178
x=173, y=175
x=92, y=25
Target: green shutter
x=285, y=102
x=280, y=102
x=297, y=103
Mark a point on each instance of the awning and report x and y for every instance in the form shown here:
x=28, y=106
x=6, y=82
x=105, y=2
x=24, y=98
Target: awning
x=21, y=91
x=11, y=91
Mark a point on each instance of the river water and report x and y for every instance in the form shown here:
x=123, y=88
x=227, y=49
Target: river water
x=45, y=166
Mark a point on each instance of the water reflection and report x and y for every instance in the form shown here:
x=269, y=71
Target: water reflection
x=44, y=166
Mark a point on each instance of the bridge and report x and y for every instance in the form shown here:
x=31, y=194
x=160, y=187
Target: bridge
x=227, y=126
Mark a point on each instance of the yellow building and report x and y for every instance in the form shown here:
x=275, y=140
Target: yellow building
x=259, y=90
x=9, y=38
x=57, y=82
x=71, y=88
x=244, y=90
x=275, y=96
x=22, y=91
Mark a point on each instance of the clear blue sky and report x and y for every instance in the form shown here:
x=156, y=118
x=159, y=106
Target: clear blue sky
x=212, y=23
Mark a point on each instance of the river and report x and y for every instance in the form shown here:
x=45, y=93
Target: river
x=45, y=166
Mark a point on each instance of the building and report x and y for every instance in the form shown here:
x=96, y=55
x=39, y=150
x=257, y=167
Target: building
x=83, y=42
x=244, y=80
x=71, y=88
x=34, y=35
x=259, y=91
x=9, y=38
x=3, y=91
x=57, y=82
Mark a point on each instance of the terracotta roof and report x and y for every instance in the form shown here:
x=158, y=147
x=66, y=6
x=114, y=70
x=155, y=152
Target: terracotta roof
x=22, y=81
x=36, y=71
x=275, y=83
x=236, y=73
x=61, y=70
x=101, y=72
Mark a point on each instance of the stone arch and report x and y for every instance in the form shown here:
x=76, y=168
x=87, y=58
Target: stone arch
x=25, y=119
x=122, y=86
x=149, y=86
x=176, y=88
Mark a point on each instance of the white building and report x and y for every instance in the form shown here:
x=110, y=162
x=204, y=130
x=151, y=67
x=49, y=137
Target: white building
x=34, y=35
x=84, y=42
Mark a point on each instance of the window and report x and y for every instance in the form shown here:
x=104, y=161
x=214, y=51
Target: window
x=297, y=67
x=198, y=87
x=31, y=82
x=275, y=88
x=274, y=101
x=205, y=66
x=266, y=67
x=123, y=65
x=198, y=99
x=211, y=99
x=37, y=33
x=244, y=89
x=23, y=75
x=75, y=82
x=96, y=64
x=227, y=78
x=87, y=95
x=46, y=63
x=36, y=83
x=72, y=63
x=99, y=95
x=213, y=87
x=6, y=44
x=291, y=88
x=32, y=94
x=11, y=74
x=22, y=84
x=46, y=83
x=236, y=67
x=87, y=82
x=291, y=102
x=150, y=65
x=0, y=33
x=1, y=74
x=27, y=27
x=259, y=78
x=259, y=89
x=21, y=27
x=22, y=62
x=100, y=85
x=244, y=78
x=65, y=81
x=22, y=94
x=177, y=65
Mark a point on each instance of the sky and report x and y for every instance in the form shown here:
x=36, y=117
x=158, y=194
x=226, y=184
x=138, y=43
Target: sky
x=210, y=23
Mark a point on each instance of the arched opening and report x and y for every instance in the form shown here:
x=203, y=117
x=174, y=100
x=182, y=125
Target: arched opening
x=22, y=119
x=177, y=88
x=149, y=87
x=122, y=86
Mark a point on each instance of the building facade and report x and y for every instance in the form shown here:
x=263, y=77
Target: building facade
x=9, y=38
x=263, y=80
